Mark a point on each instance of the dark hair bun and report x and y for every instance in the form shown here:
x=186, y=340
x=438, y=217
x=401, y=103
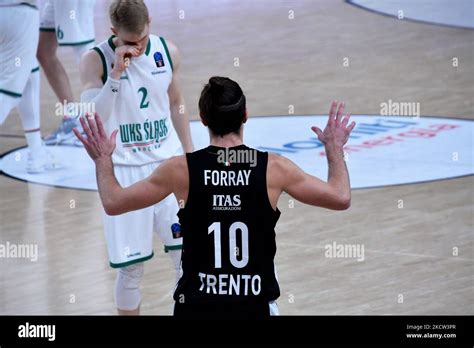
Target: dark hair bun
x=216, y=85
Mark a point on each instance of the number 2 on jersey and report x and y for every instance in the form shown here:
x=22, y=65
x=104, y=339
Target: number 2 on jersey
x=144, y=103
x=216, y=228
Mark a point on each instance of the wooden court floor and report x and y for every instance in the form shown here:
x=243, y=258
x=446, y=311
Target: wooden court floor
x=282, y=62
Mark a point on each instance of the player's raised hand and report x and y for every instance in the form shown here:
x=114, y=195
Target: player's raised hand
x=336, y=132
x=123, y=54
x=97, y=143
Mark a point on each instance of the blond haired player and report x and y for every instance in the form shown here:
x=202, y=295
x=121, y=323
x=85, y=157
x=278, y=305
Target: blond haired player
x=133, y=80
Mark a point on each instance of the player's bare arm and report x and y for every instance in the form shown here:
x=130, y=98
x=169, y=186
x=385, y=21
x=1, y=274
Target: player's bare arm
x=90, y=70
x=179, y=112
x=116, y=199
x=285, y=176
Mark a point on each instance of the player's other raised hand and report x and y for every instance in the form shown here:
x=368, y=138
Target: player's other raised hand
x=337, y=131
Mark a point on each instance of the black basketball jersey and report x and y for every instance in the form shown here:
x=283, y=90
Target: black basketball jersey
x=228, y=229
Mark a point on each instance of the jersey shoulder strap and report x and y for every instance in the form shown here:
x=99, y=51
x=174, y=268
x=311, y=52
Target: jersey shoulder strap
x=105, y=50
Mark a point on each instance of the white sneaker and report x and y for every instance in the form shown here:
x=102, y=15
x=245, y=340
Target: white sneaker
x=41, y=160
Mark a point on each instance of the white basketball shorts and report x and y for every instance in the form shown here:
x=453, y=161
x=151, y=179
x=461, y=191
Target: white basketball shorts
x=72, y=20
x=130, y=236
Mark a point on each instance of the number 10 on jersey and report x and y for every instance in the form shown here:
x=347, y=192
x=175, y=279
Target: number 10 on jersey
x=240, y=226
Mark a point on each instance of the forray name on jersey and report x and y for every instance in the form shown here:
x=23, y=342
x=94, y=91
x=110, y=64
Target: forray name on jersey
x=227, y=177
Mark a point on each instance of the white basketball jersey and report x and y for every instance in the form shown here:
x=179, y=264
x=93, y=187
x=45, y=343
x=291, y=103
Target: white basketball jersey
x=141, y=111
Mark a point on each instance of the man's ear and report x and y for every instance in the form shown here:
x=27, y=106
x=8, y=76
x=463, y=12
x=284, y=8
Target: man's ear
x=114, y=31
x=203, y=119
x=149, y=20
x=246, y=116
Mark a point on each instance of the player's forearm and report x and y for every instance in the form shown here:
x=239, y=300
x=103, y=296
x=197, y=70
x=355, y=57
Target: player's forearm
x=104, y=98
x=180, y=119
x=338, y=177
x=109, y=188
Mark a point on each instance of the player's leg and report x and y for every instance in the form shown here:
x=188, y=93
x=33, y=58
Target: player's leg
x=129, y=243
x=77, y=32
x=39, y=159
x=28, y=107
x=47, y=54
x=18, y=40
x=53, y=68
x=127, y=289
x=169, y=230
x=59, y=82
x=53, y=15
x=29, y=110
x=7, y=103
x=79, y=51
x=20, y=79
x=129, y=239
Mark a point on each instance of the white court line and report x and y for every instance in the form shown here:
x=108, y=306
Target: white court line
x=382, y=252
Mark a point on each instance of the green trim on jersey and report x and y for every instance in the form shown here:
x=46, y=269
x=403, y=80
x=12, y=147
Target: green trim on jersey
x=35, y=69
x=48, y=29
x=125, y=264
x=104, y=64
x=76, y=43
x=173, y=247
x=10, y=93
x=111, y=42
x=148, y=47
x=167, y=52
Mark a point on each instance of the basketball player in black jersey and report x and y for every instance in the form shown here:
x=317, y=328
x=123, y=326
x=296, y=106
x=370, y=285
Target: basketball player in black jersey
x=228, y=193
